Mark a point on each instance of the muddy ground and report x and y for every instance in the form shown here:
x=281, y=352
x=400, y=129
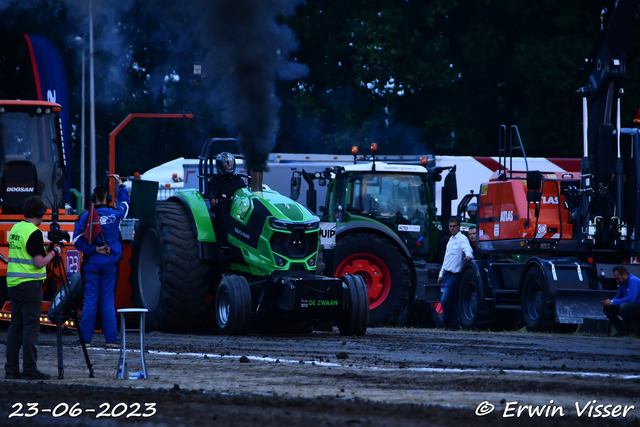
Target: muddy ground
x=389, y=377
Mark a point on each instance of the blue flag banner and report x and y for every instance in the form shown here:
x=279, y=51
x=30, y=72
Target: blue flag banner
x=51, y=85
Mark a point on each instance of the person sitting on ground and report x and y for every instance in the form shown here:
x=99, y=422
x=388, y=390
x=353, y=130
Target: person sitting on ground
x=626, y=304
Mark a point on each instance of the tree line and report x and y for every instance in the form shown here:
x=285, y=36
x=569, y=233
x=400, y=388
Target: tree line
x=413, y=76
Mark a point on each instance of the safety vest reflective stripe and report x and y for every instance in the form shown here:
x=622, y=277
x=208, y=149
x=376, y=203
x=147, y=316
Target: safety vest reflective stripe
x=21, y=261
x=26, y=275
x=21, y=267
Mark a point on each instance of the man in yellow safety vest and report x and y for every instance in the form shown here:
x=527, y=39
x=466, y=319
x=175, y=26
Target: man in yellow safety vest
x=26, y=272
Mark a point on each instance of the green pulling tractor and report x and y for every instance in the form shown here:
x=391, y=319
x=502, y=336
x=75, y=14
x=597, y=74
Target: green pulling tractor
x=256, y=269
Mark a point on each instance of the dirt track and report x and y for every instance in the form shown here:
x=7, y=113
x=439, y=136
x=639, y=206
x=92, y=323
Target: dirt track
x=388, y=377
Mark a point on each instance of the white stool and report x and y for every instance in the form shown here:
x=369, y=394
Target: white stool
x=122, y=364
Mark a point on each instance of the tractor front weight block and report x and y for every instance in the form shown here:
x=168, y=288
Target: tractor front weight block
x=310, y=297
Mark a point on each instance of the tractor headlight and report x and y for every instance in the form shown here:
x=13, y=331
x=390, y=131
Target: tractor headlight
x=279, y=225
x=311, y=261
x=280, y=262
x=314, y=225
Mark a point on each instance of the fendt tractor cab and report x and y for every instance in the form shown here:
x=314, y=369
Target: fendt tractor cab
x=31, y=164
x=388, y=230
x=261, y=270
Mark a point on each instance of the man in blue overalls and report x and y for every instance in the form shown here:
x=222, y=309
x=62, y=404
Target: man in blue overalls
x=100, y=262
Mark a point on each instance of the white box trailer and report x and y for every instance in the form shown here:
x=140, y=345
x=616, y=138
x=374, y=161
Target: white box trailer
x=470, y=171
x=283, y=165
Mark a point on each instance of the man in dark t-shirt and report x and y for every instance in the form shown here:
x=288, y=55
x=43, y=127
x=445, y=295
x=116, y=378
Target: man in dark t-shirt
x=26, y=272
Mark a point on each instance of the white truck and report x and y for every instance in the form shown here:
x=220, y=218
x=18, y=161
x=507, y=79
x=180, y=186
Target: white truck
x=471, y=171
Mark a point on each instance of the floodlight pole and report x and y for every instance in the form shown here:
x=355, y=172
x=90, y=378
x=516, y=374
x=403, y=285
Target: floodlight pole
x=92, y=96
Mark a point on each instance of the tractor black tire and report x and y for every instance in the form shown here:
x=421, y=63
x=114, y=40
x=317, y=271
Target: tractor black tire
x=474, y=311
x=233, y=306
x=538, y=314
x=167, y=276
x=356, y=318
x=385, y=272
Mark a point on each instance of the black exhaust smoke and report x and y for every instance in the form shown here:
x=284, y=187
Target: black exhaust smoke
x=247, y=48
x=250, y=50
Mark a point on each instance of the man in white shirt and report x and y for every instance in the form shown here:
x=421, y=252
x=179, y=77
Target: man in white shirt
x=458, y=251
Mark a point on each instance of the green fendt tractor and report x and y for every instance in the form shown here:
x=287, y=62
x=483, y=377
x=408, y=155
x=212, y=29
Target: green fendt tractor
x=263, y=271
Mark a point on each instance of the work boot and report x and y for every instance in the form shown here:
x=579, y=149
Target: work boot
x=36, y=375
x=115, y=344
x=621, y=334
x=79, y=344
x=12, y=375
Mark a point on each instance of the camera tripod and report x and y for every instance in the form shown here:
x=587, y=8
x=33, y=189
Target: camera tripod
x=60, y=313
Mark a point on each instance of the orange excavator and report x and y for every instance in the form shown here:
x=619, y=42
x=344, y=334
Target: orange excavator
x=32, y=163
x=552, y=238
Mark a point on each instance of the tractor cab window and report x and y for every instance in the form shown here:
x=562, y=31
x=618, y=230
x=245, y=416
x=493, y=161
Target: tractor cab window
x=389, y=195
x=30, y=155
x=366, y=195
x=16, y=136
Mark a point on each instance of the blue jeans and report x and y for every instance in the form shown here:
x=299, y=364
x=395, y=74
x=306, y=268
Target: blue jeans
x=449, y=299
x=630, y=313
x=100, y=282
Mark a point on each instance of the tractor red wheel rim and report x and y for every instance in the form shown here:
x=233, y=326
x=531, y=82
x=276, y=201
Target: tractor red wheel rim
x=374, y=272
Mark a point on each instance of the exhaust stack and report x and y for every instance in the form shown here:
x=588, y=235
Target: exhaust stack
x=256, y=181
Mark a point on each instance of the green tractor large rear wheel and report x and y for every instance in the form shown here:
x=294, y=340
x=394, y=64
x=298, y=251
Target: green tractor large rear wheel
x=167, y=275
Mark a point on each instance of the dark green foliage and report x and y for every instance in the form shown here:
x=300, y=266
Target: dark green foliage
x=434, y=76
x=466, y=68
